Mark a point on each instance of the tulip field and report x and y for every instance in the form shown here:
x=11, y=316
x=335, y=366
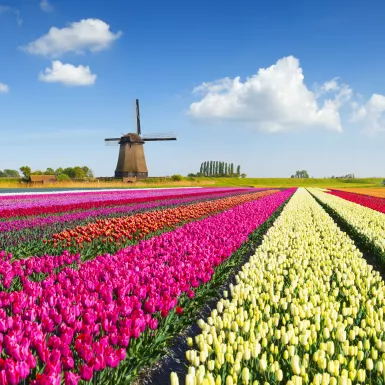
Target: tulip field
x=305, y=309
x=97, y=287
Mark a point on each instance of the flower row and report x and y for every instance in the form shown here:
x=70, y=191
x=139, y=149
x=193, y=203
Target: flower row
x=306, y=308
x=27, y=200
x=23, y=237
x=117, y=230
x=102, y=212
x=55, y=331
x=137, y=226
x=64, y=203
x=368, y=223
x=374, y=203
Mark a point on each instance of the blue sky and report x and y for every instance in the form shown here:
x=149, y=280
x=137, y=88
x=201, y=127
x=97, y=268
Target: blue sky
x=173, y=56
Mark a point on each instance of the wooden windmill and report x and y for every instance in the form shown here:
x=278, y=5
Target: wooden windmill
x=131, y=161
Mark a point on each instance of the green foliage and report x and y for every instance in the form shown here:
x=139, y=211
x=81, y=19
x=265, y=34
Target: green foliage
x=88, y=172
x=77, y=172
x=176, y=177
x=49, y=171
x=218, y=169
x=70, y=172
x=62, y=177
x=297, y=182
x=301, y=174
x=7, y=173
x=26, y=171
x=59, y=171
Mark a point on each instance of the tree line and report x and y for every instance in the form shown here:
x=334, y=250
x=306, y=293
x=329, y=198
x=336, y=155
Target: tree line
x=301, y=174
x=213, y=168
x=7, y=173
x=68, y=173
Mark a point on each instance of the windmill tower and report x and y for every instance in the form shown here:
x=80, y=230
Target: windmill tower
x=131, y=161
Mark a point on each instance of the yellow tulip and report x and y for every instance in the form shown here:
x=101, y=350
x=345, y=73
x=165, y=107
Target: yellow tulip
x=361, y=375
x=174, y=379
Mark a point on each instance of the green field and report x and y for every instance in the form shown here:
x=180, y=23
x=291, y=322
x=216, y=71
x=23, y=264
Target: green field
x=293, y=182
x=200, y=182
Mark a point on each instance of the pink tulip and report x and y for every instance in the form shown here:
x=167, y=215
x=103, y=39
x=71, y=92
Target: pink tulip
x=85, y=372
x=11, y=372
x=71, y=378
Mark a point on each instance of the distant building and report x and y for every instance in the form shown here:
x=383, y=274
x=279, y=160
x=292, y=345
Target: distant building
x=43, y=179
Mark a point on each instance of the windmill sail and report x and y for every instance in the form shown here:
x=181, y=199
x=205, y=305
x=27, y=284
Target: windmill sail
x=131, y=161
x=139, y=131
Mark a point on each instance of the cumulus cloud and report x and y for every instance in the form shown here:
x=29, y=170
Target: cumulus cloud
x=275, y=99
x=371, y=115
x=87, y=34
x=46, y=6
x=68, y=74
x=331, y=85
x=16, y=12
x=3, y=88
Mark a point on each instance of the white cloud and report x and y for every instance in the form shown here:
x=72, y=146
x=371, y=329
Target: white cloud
x=371, y=115
x=46, y=6
x=16, y=12
x=275, y=99
x=3, y=88
x=87, y=34
x=331, y=85
x=68, y=74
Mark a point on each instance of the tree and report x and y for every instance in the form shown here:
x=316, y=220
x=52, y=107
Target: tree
x=79, y=173
x=2, y=174
x=226, y=169
x=59, y=171
x=243, y=175
x=88, y=172
x=49, y=171
x=238, y=170
x=70, y=172
x=176, y=177
x=301, y=174
x=201, y=169
x=383, y=182
x=11, y=173
x=26, y=171
x=63, y=177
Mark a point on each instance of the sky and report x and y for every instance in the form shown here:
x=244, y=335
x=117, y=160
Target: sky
x=275, y=86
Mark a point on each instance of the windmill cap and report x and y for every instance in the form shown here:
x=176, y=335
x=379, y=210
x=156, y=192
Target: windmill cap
x=132, y=138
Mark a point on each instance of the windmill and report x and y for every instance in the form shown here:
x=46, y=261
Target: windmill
x=131, y=161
